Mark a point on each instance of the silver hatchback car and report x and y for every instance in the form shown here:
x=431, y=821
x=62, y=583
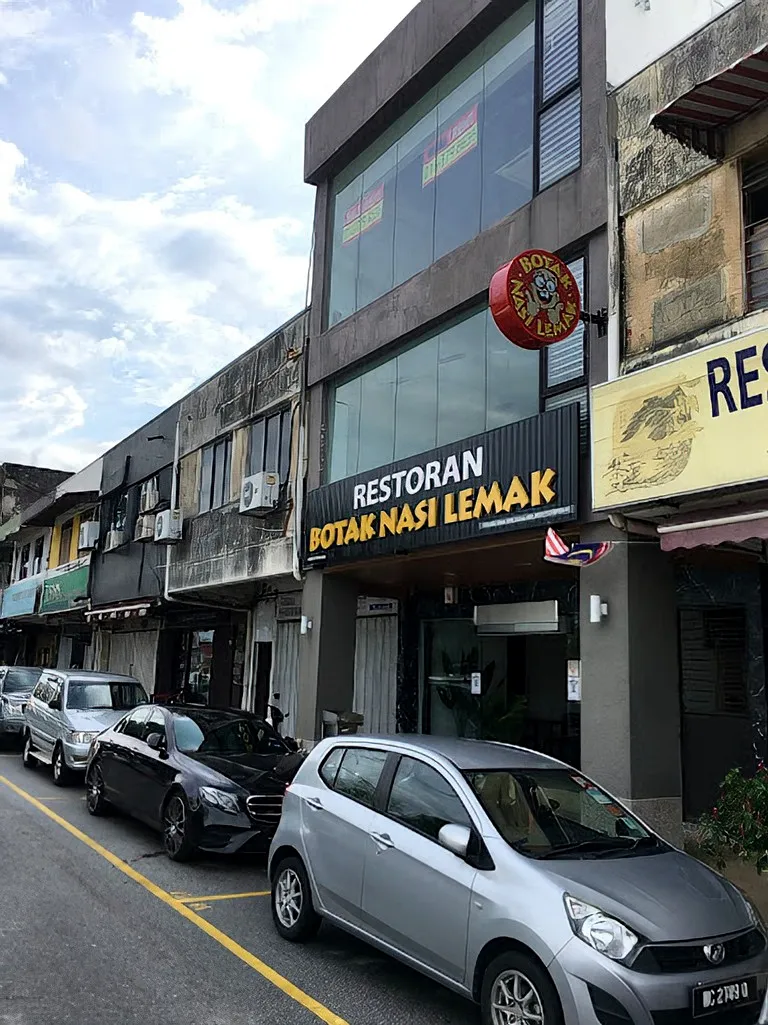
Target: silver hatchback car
x=515, y=880
x=67, y=710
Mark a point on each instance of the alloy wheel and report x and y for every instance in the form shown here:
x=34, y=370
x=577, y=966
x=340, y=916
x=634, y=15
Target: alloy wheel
x=289, y=898
x=175, y=825
x=95, y=788
x=516, y=1001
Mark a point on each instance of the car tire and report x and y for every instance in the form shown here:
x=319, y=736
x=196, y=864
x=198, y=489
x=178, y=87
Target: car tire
x=61, y=773
x=177, y=827
x=293, y=912
x=28, y=760
x=519, y=982
x=95, y=801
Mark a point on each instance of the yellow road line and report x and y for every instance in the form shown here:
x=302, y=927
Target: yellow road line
x=222, y=896
x=283, y=984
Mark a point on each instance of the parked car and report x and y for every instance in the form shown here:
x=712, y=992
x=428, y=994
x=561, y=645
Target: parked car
x=16, y=685
x=209, y=779
x=67, y=710
x=515, y=880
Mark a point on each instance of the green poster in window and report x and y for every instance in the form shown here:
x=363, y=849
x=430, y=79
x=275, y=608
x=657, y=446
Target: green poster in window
x=64, y=591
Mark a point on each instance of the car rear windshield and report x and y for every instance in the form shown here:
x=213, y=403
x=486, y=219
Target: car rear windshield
x=551, y=813
x=206, y=732
x=117, y=695
x=20, y=680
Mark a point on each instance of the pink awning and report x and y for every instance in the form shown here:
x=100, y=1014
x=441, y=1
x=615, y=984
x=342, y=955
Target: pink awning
x=719, y=528
x=698, y=117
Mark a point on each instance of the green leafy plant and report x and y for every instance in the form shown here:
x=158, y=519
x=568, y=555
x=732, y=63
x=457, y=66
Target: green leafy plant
x=738, y=824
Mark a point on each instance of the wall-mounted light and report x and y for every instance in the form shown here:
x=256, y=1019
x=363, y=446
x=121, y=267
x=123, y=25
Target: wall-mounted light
x=306, y=625
x=598, y=609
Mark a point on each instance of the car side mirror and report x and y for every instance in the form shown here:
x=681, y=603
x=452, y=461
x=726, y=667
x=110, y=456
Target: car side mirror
x=55, y=704
x=156, y=741
x=455, y=839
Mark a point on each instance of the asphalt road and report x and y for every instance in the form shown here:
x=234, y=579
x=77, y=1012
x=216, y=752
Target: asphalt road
x=98, y=927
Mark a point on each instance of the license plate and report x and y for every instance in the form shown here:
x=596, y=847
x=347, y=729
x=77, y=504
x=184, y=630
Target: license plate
x=711, y=999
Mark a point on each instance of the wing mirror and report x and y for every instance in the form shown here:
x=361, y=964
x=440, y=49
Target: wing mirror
x=156, y=741
x=455, y=839
x=55, y=704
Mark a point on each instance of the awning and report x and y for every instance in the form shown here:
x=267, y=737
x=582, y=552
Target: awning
x=717, y=529
x=698, y=118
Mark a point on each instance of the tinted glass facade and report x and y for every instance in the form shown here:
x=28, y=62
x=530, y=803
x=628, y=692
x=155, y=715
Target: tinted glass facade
x=474, y=150
x=457, y=381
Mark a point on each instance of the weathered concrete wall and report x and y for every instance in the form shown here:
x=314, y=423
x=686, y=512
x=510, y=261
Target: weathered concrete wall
x=683, y=261
x=221, y=547
x=260, y=379
x=651, y=163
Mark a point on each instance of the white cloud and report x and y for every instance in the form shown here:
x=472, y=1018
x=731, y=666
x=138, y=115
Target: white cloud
x=153, y=220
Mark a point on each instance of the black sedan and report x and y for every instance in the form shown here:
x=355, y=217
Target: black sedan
x=210, y=779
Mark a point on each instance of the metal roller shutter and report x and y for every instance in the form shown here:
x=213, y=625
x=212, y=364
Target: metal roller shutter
x=134, y=654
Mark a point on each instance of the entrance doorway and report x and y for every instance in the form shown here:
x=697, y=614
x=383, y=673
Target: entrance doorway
x=523, y=686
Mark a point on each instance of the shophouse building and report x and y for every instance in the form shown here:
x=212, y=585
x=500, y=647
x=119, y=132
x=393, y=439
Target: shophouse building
x=679, y=460
x=473, y=133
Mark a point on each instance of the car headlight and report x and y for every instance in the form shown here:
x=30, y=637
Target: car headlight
x=220, y=799
x=604, y=934
x=81, y=738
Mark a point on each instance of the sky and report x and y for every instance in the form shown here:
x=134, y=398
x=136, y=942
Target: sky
x=153, y=219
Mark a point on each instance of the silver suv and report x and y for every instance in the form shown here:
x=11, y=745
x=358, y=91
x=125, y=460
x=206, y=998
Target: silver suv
x=67, y=710
x=515, y=880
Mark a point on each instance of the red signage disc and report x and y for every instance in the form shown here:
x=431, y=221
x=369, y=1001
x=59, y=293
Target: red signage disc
x=535, y=300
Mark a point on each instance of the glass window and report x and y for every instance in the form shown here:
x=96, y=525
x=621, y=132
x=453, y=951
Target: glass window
x=508, y=122
x=19, y=680
x=565, y=360
x=422, y=799
x=65, y=543
x=284, y=460
x=215, y=472
x=270, y=445
x=551, y=813
x=223, y=733
x=86, y=695
x=560, y=139
x=359, y=774
x=330, y=766
x=462, y=380
x=155, y=724
x=560, y=59
x=256, y=449
x=133, y=725
x=416, y=399
x=458, y=161
x=26, y=551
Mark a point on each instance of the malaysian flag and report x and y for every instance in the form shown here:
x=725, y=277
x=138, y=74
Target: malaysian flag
x=562, y=554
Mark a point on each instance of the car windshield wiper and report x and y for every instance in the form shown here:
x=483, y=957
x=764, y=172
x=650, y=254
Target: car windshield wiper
x=600, y=847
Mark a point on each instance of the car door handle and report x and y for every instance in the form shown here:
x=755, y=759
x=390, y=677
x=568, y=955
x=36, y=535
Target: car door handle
x=314, y=803
x=383, y=839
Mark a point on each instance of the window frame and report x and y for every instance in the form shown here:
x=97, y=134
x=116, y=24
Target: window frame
x=472, y=824
x=220, y=484
x=285, y=428
x=67, y=525
x=23, y=569
x=384, y=780
x=542, y=107
x=757, y=164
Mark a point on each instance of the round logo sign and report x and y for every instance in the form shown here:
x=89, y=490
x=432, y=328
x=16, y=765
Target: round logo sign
x=535, y=300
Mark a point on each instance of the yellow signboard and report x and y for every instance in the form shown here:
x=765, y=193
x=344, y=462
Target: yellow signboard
x=694, y=423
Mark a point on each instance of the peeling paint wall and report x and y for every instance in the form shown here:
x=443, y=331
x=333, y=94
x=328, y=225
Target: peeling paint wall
x=682, y=223
x=223, y=547
x=683, y=261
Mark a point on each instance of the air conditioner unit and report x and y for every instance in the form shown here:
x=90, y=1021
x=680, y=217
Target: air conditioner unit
x=168, y=527
x=115, y=538
x=150, y=496
x=145, y=528
x=89, y=536
x=260, y=493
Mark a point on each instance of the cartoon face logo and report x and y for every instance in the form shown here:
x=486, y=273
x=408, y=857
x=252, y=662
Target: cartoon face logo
x=542, y=295
x=535, y=300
